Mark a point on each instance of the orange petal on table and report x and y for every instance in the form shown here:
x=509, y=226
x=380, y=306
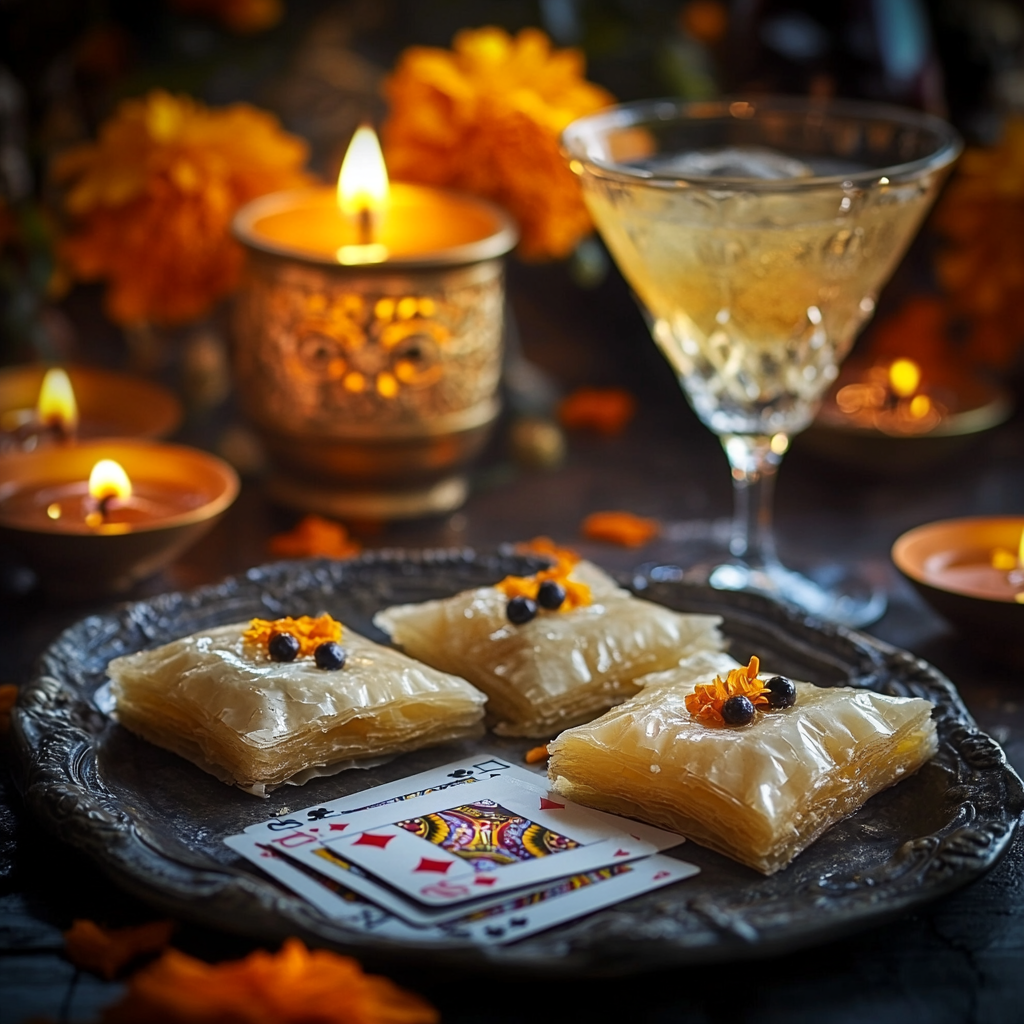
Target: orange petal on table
x=314, y=536
x=293, y=986
x=606, y=410
x=536, y=754
x=104, y=951
x=620, y=528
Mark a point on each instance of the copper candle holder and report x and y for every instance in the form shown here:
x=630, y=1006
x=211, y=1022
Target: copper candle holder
x=372, y=385
x=73, y=559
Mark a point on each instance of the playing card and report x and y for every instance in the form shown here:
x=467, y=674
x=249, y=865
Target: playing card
x=315, y=821
x=448, y=848
x=515, y=917
x=566, y=899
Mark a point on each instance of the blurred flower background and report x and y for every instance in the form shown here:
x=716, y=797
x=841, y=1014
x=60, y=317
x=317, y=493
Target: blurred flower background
x=130, y=133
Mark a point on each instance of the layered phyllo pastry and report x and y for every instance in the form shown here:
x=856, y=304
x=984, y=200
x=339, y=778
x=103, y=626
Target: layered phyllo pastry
x=750, y=764
x=262, y=703
x=551, y=649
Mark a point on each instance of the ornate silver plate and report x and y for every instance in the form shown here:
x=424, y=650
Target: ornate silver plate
x=155, y=822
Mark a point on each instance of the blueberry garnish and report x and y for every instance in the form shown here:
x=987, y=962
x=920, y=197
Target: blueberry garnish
x=283, y=647
x=738, y=711
x=521, y=610
x=329, y=656
x=781, y=692
x=550, y=595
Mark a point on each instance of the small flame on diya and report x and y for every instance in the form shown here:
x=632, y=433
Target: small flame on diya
x=363, y=197
x=108, y=482
x=57, y=408
x=891, y=399
x=1012, y=563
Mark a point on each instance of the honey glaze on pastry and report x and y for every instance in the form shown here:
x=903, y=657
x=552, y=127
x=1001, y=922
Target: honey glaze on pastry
x=551, y=649
x=759, y=789
x=263, y=703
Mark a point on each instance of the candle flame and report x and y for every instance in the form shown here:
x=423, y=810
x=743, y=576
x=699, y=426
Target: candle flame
x=1020, y=550
x=109, y=480
x=904, y=376
x=363, y=189
x=57, y=406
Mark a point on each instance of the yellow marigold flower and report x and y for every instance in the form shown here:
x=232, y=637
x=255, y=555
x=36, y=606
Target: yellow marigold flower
x=982, y=266
x=151, y=201
x=485, y=117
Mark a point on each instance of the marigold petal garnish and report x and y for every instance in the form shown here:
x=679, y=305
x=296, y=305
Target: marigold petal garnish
x=293, y=986
x=310, y=632
x=485, y=117
x=622, y=528
x=314, y=536
x=105, y=951
x=705, y=703
x=604, y=410
x=152, y=201
x=536, y=754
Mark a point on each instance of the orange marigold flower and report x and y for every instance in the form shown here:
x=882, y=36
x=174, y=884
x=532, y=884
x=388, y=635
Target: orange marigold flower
x=981, y=216
x=485, y=117
x=620, y=528
x=310, y=632
x=577, y=595
x=151, y=201
x=315, y=536
x=705, y=703
x=293, y=986
x=104, y=951
x=606, y=410
x=536, y=754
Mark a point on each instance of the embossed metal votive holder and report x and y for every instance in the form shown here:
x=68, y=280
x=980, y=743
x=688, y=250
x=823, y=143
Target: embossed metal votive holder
x=372, y=386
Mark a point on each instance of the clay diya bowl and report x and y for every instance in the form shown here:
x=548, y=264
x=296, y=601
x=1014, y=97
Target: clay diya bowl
x=73, y=561
x=109, y=404
x=949, y=564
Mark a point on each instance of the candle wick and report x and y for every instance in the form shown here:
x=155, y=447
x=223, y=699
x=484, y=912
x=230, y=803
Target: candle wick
x=365, y=226
x=104, y=505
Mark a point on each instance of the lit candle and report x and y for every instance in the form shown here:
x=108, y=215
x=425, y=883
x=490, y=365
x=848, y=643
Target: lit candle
x=95, y=517
x=889, y=399
x=370, y=324
x=971, y=557
x=40, y=408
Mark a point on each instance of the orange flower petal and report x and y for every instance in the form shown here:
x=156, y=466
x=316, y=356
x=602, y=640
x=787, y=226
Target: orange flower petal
x=620, y=528
x=315, y=536
x=310, y=632
x=105, y=951
x=605, y=410
x=293, y=986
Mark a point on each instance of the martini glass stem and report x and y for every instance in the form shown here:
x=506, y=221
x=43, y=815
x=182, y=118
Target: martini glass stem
x=754, y=460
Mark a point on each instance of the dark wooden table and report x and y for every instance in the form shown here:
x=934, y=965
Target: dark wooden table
x=960, y=959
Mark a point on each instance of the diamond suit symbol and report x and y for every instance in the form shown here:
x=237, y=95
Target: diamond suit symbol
x=550, y=805
x=366, y=839
x=426, y=864
x=338, y=828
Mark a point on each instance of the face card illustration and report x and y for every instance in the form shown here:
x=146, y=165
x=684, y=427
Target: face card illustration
x=316, y=820
x=507, y=837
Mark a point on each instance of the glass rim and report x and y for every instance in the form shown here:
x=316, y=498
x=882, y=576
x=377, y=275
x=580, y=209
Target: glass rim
x=949, y=143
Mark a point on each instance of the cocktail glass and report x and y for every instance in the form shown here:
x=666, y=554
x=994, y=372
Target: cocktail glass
x=756, y=235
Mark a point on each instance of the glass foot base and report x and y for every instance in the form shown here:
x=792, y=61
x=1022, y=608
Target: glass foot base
x=699, y=551
x=847, y=598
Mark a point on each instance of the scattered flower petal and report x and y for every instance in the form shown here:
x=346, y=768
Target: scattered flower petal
x=314, y=536
x=605, y=410
x=105, y=951
x=620, y=528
